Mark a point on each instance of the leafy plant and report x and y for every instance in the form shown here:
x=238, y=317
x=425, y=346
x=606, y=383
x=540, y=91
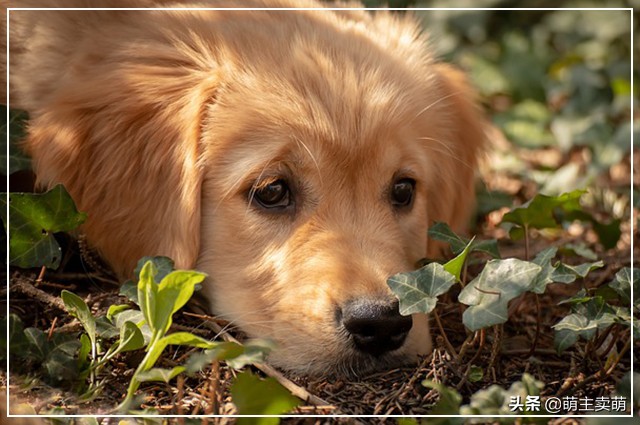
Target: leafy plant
x=34, y=218
x=592, y=314
x=16, y=128
x=492, y=401
x=489, y=294
x=149, y=327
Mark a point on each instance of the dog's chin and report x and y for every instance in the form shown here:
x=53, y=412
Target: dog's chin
x=350, y=365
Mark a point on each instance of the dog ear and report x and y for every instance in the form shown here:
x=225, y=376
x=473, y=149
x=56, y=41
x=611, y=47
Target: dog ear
x=123, y=136
x=453, y=197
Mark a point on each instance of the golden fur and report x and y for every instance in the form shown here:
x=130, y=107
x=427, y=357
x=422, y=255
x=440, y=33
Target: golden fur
x=160, y=123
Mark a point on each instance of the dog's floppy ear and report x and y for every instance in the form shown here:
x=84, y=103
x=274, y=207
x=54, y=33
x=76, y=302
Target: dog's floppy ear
x=123, y=136
x=453, y=198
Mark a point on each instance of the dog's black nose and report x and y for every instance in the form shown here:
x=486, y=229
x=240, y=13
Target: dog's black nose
x=375, y=325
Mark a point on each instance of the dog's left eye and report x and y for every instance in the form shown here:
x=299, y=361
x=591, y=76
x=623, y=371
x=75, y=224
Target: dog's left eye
x=275, y=194
x=402, y=192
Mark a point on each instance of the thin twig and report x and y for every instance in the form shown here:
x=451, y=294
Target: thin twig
x=40, y=275
x=450, y=348
x=23, y=286
x=599, y=375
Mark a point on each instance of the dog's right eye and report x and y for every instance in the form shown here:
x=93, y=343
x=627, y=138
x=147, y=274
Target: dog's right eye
x=274, y=194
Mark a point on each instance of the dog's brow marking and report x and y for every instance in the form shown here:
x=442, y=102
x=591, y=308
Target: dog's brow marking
x=447, y=151
x=313, y=158
x=436, y=102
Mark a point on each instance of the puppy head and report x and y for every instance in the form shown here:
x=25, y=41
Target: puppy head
x=297, y=158
x=322, y=177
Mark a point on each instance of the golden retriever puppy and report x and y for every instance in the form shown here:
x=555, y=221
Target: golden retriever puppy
x=296, y=157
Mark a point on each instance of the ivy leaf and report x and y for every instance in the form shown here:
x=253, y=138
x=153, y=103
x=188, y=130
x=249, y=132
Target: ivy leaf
x=590, y=315
x=539, y=212
x=34, y=220
x=418, y=291
x=558, y=273
x=255, y=396
x=16, y=128
x=569, y=329
x=495, y=400
x=442, y=232
x=488, y=295
x=565, y=273
x=164, y=266
x=622, y=284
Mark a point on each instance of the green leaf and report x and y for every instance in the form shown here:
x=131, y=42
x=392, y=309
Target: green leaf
x=539, y=212
x=442, y=232
x=177, y=338
x=255, y=351
x=578, y=249
x=18, y=341
x=131, y=337
x=590, y=315
x=129, y=290
x=418, y=291
x=565, y=273
x=159, y=374
x=148, y=295
x=454, y=266
x=37, y=344
x=189, y=339
x=255, y=396
x=164, y=266
x=558, y=273
x=17, y=123
x=79, y=309
x=34, y=220
x=83, y=352
x=174, y=291
x=475, y=374
x=569, y=329
x=449, y=402
x=225, y=350
x=488, y=294
x=61, y=364
x=116, y=309
x=622, y=284
x=495, y=400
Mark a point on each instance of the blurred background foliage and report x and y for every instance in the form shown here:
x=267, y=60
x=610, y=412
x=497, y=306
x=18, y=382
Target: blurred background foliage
x=557, y=84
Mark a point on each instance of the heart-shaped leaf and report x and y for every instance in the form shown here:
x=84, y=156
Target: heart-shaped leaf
x=418, y=291
x=34, y=218
x=488, y=295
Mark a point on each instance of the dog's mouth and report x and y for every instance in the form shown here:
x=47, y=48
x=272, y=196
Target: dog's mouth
x=358, y=365
x=369, y=335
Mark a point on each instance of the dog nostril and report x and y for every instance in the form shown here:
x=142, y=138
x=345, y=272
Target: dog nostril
x=375, y=325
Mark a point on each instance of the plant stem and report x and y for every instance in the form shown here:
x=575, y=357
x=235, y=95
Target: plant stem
x=450, y=348
x=526, y=242
x=537, y=334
